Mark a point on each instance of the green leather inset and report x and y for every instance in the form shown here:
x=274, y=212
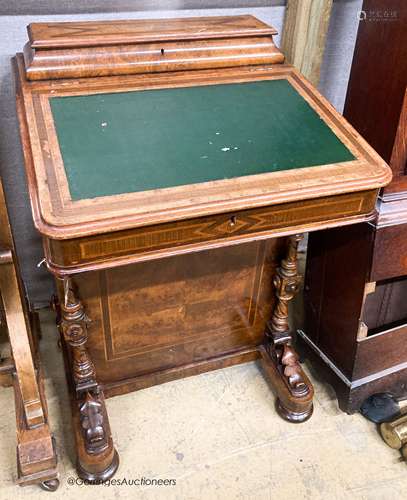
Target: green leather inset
x=136, y=141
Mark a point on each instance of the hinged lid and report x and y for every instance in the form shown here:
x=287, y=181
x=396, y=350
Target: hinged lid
x=94, y=33
x=104, y=48
x=117, y=153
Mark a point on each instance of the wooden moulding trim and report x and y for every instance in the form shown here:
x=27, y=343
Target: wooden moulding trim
x=94, y=33
x=57, y=231
x=60, y=271
x=117, y=388
x=75, y=219
x=352, y=384
x=392, y=213
x=396, y=195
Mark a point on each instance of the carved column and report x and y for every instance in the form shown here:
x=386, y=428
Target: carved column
x=73, y=323
x=278, y=337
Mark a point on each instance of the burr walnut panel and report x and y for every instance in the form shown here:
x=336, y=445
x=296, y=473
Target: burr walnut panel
x=189, y=308
x=153, y=57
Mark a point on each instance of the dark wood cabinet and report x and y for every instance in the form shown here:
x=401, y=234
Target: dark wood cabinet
x=356, y=279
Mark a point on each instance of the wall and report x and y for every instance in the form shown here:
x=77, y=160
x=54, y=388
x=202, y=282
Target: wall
x=14, y=17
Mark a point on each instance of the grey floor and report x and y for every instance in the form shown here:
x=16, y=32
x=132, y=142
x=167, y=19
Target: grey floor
x=219, y=437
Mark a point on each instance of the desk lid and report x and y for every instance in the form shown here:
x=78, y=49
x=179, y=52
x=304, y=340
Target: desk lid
x=96, y=33
x=123, y=151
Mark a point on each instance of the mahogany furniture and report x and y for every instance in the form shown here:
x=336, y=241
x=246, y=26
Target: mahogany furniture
x=356, y=280
x=164, y=158
x=36, y=457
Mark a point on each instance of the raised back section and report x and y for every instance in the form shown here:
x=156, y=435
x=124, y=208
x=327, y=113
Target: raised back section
x=90, y=49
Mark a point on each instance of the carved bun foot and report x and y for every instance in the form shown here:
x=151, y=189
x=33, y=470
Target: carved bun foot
x=293, y=416
x=289, y=406
x=50, y=485
x=102, y=476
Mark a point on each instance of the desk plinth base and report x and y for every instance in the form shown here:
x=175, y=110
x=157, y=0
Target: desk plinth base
x=97, y=469
x=195, y=314
x=295, y=409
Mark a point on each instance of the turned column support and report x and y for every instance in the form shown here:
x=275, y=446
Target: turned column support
x=74, y=327
x=89, y=406
x=293, y=388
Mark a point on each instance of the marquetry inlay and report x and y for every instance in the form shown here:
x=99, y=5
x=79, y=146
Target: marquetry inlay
x=245, y=225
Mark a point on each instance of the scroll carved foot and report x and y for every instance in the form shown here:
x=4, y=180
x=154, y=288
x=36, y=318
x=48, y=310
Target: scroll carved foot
x=294, y=390
x=91, y=417
x=97, y=458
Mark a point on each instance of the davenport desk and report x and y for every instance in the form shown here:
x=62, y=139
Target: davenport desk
x=164, y=158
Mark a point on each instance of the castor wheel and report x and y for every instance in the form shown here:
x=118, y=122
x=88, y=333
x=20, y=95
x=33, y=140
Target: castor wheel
x=50, y=485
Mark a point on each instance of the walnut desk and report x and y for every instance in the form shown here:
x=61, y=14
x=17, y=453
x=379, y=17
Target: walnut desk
x=164, y=158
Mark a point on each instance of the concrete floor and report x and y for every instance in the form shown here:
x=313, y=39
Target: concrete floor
x=219, y=437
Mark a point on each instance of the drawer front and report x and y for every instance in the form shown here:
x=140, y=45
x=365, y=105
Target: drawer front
x=382, y=351
x=198, y=234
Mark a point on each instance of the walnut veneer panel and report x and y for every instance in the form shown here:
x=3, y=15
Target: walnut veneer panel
x=189, y=308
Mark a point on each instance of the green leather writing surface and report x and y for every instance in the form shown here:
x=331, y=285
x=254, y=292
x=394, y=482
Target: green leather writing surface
x=136, y=141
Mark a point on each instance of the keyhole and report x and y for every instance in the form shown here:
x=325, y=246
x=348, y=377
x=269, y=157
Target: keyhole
x=232, y=221
x=162, y=52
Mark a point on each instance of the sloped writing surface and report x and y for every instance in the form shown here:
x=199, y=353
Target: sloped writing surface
x=136, y=141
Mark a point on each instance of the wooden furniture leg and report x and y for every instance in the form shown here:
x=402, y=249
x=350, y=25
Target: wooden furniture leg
x=36, y=456
x=97, y=458
x=280, y=361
